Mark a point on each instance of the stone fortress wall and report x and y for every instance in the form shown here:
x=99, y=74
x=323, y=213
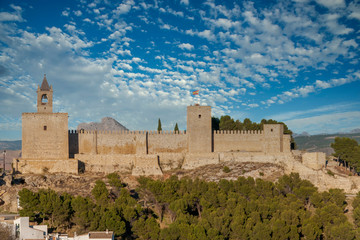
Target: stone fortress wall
x=130, y=142
x=48, y=146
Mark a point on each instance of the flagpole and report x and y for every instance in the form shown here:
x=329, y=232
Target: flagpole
x=194, y=93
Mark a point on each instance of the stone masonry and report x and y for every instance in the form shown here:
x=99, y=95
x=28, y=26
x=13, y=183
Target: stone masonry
x=47, y=145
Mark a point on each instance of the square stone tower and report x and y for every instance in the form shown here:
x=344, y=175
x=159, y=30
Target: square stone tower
x=44, y=133
x=199, y=129
x=273, y=138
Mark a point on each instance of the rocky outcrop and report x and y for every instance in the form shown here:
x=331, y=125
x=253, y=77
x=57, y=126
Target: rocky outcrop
x=106, y=124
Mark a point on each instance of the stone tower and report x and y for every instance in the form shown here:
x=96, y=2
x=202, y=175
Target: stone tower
x=273, y=138
x=44, y=97
x=199, y=129
x=44, y=133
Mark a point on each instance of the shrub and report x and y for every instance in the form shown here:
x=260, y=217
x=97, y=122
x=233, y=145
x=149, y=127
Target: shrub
x=226, y=169
x=330, y=173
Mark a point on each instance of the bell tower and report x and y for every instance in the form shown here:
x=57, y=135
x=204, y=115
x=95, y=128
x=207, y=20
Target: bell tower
x=44, y=97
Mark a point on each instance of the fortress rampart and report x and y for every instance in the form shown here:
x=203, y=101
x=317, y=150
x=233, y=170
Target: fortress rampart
x=131, y=142
x=249, y=141
x=47, y=143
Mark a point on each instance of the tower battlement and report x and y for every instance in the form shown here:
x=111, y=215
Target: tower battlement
x=242, y=132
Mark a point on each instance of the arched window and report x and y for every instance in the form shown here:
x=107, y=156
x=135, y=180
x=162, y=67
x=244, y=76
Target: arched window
x=44, y=98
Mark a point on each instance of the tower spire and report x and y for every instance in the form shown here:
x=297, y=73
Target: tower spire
x=45, y=85
x=44, y=98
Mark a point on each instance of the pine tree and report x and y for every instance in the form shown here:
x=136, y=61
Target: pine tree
x=159, y=126
x=176, y=128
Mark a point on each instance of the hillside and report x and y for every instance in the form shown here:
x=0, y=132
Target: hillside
x=321, y=143
x=185, y=206
x=10, y=145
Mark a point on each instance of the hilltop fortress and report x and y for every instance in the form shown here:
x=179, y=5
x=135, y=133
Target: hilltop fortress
x=48, y=146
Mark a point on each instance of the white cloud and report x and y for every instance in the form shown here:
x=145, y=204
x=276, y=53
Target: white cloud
x=124, y=8
x=186, y=68
x=185, y=2
x=125, y=66
x=332, y=122
x=322, y=84
x=123, y=52
x=151, y=70
x=204, y=34
x=253, y=105
x=237, y=54
x=207, y=34
x=65, y=13
x=78, y=13
x=12, y=17
x=334, y=26
x=332, y=3
x=186, y=46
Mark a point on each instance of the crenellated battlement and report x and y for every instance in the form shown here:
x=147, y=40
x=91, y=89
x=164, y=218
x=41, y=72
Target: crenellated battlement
x=166, y=132
x=125, y=132
x=255, y=132
x=128, y=132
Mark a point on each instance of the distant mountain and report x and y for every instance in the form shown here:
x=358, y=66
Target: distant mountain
x=321, y=142
x=10, y=145
x=303, y=134
x=106, y=124
x=356, y=130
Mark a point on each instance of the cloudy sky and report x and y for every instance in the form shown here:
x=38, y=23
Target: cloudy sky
x=137, y=61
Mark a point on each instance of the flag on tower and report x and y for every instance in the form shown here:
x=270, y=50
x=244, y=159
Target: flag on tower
x=196, y=92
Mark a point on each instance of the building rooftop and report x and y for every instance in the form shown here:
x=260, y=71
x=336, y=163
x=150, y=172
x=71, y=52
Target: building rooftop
x=96, y=235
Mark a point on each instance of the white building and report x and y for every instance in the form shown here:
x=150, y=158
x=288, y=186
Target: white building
x=105, y=235
x=23, y=231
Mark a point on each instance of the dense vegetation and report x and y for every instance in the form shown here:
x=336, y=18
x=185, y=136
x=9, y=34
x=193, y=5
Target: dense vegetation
x=347, y=151
x=194, y=209
x=228, y=123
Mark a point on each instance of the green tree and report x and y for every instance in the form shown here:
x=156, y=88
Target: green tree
x=63, y=211
x=29, y=203
x=215, y=123
x=176, y=128
x=343, y=146
x=226, y=123
x=115, y=182
x=146, y=228
x=100, y=193
x=159, y=126
x=83, y=213
x=347, y=150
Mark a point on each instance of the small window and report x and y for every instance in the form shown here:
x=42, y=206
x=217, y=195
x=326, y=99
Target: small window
x=199, y=115
x=272, y=130
x=45, y=128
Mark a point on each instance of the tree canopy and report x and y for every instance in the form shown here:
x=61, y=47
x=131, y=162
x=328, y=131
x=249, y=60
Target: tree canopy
x=176, y=128
x=348, y=150
x=228, y=123
x=159, y=128
x=245, y=208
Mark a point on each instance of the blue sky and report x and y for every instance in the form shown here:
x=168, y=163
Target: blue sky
x=137, y=61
